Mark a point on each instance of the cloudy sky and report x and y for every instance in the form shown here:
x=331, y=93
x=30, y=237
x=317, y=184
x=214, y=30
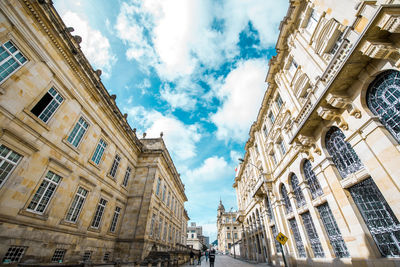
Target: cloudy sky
x=193, y=69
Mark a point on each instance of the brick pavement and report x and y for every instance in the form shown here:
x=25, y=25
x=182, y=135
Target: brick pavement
x=226, y=261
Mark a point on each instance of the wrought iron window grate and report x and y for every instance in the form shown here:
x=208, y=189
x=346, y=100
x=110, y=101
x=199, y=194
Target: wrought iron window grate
x=312, y=180
x=297, y=238
x=274, y=234
x=312, y=235
x=300, y=200
x=286, y=201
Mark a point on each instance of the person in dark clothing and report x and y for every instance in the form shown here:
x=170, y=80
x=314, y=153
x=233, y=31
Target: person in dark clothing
x=191, y=257
x=199, y=256
x=212, y=257
x=206, y=254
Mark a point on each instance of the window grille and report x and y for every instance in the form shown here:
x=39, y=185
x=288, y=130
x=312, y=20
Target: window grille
x=58, y=255
x=300, y=201
x=312, y=180
x=106, y=257
x=158, y=186
x=271, y=117
x=312, y=235
x=11, y=59
x=47, y=105
x=115, y=165
x=297, y=238
x=126, y=177
x=76, y=205
x=378, y=216
x=343, y=155
x=269, y=209
x=286, y=201
x=274, y=234
x=335, y=237
x=383, y=98
x=8, y=161
x=14, y=254
x=87, y=255
x=77, y=132
x=282, y=147
x=279, y=101
x=98, y=153
x=44, y=193
x=115, y=219
x=99, y=213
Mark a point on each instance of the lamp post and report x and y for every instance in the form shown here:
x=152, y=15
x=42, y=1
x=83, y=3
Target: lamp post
x=233, y=237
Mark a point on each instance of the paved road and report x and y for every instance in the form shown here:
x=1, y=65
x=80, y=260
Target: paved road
x=225, y=261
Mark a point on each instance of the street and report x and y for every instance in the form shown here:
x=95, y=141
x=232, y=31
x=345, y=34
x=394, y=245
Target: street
x=225, y=261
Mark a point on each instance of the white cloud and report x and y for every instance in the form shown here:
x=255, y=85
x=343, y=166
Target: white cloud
x=242, y=92
x=235, y=155
x=95, y=46
x=180, y=138
x=212, y=169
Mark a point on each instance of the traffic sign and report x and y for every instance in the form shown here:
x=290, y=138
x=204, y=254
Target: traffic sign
x=281, y=238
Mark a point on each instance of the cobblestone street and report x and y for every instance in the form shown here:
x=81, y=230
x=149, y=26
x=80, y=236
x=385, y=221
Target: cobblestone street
x=225, y=261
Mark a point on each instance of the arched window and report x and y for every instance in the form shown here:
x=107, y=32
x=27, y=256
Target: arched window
x=312, y=180
x=300, y=201
x=286, y=201
x=343, y=155
x=383, y=99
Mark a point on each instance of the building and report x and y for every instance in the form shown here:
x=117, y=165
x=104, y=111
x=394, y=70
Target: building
x=195, y=238
x=76, y=183
x=321, y=162
x=229, y=230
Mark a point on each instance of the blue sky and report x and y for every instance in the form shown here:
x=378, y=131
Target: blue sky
x=193, y=69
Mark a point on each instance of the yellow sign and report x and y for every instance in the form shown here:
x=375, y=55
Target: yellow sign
x=281, y=238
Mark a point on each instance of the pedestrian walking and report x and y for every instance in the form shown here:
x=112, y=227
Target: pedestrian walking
x=191, y=254
x=206, y=255
x=212, y=257
x=199, y=256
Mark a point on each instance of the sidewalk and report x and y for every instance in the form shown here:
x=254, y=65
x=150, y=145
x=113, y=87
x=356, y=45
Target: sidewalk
x=226, y=261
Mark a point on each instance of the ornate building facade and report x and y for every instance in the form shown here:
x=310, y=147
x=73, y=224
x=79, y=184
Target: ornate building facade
x=76, y=184
x=321, y=163
x=228, y=229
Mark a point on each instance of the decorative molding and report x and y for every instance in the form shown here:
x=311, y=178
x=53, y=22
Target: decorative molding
x=344, y=102
x=378, y=49
x=331, y=114
x=390, y=23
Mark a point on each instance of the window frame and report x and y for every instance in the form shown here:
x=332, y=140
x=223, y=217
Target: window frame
x=72, y=202
x=114, y=221
x=103, y=152
x=5, y=159
x=115, y=166
x=66, y=139
x=12, y=55
x=95, y=215
x=41, y=96
x=126, y=178
x=24, y=249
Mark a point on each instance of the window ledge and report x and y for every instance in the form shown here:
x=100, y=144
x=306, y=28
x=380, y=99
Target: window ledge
x=92, y=229
x=75, y=149
x=32, y=214
x=354, y=178
x=112, y=178
x=36, y=119
x=68, y=223
x=94, y=164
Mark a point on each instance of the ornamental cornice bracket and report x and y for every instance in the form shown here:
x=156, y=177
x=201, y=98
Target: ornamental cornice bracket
x=378, y=49
x=309, y=142
x=331, y=114
x=304, y=149
x=390, y=23
x=344, y=102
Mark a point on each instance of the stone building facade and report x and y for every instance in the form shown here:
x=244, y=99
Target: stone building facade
x=195, y=238
x=228, y=229
x=321, y=162
x=76, y=184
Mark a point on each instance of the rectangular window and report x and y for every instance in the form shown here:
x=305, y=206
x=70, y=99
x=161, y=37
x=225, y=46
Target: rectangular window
x=8, y=161
x=172, y=203
x=77, y=133
x=332, y=229
x=114, y=220
x=114, y=166
x=126, y=177
x=14, y=254
x=165, y=231
x=312, y=21
x=235, y=235
x=160, y=227
x=58, y=255
x=106, y=257
x=297, y=238
x=164, y=192
x=265, y=131
x=77, y=205
x=282, y=147
x=87, y=255
x=158, y=186
x=45, y=192
x=47, y=105
x=271, y=117
x=169, y=195
x=11, y=59
x=279, y=101
x=274, y=158
x=153, y=221
x=99, y=213
x=98, y=153
x=169, y=234
x=312, y=235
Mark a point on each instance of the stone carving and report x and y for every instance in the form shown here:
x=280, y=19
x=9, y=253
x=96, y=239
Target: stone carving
x=390, y=23
x=378, y=49
x=331, y=114
x=344, y=102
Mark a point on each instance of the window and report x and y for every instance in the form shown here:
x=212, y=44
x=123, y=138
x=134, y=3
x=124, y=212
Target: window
x=300, y=201
x=106, y=257
x=383, y=99
x=87, y=255
x=275, y=234
x=282, y=147
x=228, y=235
x=312, y=21
x=378, y=216
x=312, y=235
x=312, y=180
x=235, y=235
x=11, y=59
x=58, y=255
x=164, y=192
x=227, y=228
x=269, y=210
x=169, y=234
x=334, y=235
x=77, y=133
x=114, y=166
x=126, y=177
x=297, y=238
x=160, y=227
x=98, y=153
x=76, y=205
x=271, y=117
x=158, y=186
x=44, y=193
x=47, y=105
x=165, y=231
x=286, y=201
x=172, y=203
x=8, y=161
x=279, y=101
x=14, y=254
x=153, y=220
x=99, y=213
x=343, y=155
x=169, y=195
x=293, y=67
x=114, y=221
x=265, y=131
x=273, y=158
x=192, y=235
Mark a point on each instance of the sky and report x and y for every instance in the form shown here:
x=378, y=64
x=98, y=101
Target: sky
x=192, y=69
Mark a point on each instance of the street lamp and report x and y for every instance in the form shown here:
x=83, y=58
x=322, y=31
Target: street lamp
x=233, y=237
